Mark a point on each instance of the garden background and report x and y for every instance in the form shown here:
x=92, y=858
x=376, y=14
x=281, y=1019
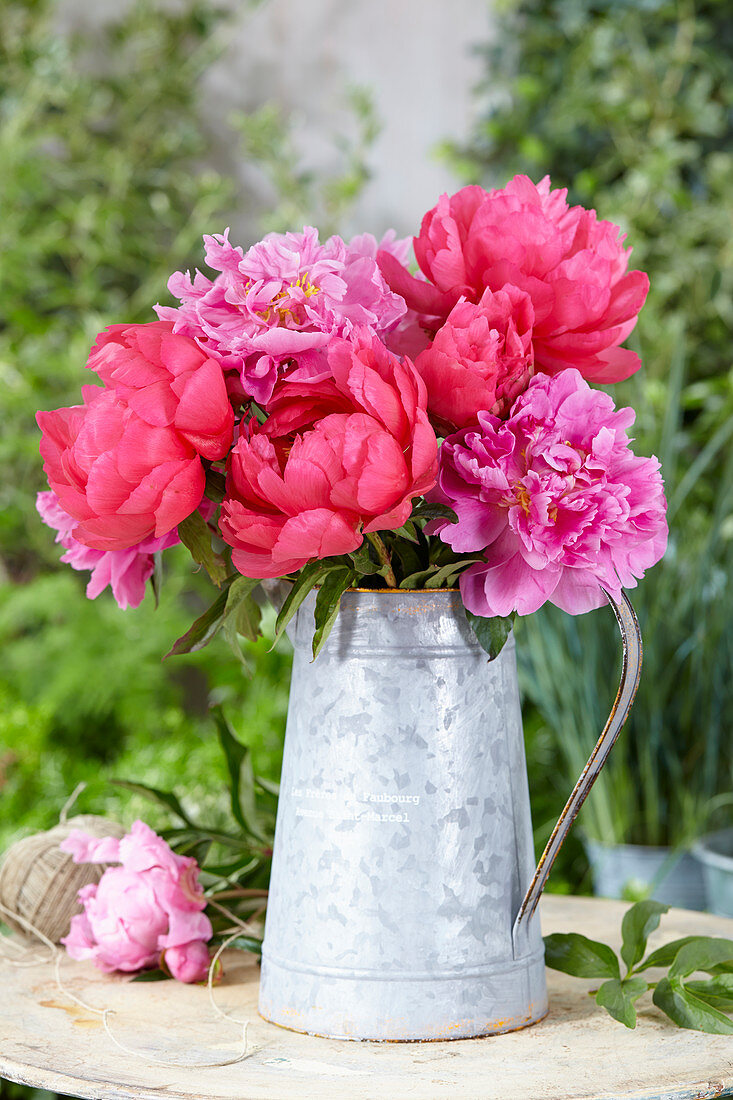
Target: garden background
x=128, y=132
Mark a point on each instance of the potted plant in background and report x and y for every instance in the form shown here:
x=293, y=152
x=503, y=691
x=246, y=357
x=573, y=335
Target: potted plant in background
x=663, y=168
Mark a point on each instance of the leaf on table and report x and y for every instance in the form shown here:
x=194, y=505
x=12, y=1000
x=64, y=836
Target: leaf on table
x=716, y=991
x=665, y=955
x=575, y=954
x=618, y=996
x=637, y=925
x=687, y=1010
x=246, y=943
x=703, y=953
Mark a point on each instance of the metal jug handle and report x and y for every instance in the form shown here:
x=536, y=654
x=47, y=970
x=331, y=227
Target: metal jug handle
x=630, y=675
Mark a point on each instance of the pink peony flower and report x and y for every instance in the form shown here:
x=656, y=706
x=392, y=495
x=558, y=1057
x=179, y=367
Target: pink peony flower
x=151, y=904
x=481, y=358
x=274, y=309
x=363, y=450
x=168, y=381
x=123, y=479
x=555, y=498
x=571, y=265
x=188, y=963
x=125, y=571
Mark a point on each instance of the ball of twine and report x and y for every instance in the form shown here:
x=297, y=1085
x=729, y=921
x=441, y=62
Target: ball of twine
x=39, y=882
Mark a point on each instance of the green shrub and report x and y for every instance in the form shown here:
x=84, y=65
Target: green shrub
x=106, y=188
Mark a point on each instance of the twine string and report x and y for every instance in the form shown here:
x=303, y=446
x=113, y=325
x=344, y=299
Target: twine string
x=57, y=956
x=70, y=801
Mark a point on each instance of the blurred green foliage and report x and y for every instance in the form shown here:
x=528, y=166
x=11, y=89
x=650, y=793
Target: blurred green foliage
x=103, y=195
x=629, y=104
x=106, y=188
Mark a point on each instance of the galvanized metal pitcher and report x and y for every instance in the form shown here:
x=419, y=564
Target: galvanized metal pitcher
x=403, y=893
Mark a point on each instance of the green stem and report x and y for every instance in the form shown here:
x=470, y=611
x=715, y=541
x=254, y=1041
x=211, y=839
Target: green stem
x=384, y=558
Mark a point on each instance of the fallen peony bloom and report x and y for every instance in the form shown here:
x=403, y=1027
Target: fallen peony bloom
x=146, y=910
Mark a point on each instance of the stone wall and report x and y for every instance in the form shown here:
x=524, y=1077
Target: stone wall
x=417, y=58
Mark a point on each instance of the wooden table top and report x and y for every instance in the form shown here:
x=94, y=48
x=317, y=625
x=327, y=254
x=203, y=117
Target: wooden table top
x=576, y=1053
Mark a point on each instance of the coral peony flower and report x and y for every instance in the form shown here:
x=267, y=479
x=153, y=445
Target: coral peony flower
x=481, y=358
x=150, y=904
x=168, y=381
x=556, y=499
x=125, y=571
x=572, y=266
x=277, y=307
x=122, y=479
x=354, y=451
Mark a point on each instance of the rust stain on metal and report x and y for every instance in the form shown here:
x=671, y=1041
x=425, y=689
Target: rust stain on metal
x=496, y=1027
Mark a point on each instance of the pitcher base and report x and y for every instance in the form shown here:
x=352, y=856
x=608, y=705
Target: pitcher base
x=390, y=1008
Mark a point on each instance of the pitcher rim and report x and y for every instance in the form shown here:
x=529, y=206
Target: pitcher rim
x=403, y=591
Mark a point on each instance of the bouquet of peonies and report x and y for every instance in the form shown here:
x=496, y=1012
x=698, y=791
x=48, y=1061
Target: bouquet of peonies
x=316, y=412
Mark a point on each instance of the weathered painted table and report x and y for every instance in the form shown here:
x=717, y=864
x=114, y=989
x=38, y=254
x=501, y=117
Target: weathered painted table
x=576, y=1052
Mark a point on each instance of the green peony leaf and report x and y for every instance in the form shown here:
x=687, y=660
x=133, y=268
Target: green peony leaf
x=246, y=943
x=687, y=1010
x=637, y=925
x=203, y=629
x=665, y=955
x=491, y=633
x=364, y=564
x=304, y=583
x=716, y=991
x=425, y=510
x=328, y=602
x=241, y=777
x=196, y=537
x=153, y=794
x=703, y=953
x=617, y=997
x=152, y=976
x=577, y=955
